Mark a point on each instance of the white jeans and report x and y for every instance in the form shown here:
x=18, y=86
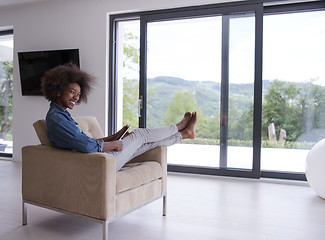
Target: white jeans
x=144, y=139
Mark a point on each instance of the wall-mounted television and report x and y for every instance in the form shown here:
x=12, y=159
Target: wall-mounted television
x=32, y=66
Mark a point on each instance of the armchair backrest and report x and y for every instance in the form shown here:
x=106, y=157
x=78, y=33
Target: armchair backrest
x=89, y=125
x=40, y=129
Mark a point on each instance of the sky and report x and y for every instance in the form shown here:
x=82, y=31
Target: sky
x=6, y=48
x=293, y=48
x=189, y=49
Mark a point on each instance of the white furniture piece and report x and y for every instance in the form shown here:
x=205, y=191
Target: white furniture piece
x=315, y=168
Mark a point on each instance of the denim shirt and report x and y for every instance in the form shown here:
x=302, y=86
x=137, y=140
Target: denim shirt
x=64, y=132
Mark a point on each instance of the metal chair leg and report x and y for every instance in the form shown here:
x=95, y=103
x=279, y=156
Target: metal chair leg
x=24, y=213
x=164, y=205
x=105, y=230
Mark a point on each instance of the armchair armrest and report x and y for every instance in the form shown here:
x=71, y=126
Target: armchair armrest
x=68, y=180
x=158, y=154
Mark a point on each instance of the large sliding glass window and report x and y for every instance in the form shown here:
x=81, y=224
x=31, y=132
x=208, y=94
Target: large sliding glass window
x=241, y=91
x=6, y=83
x=294, y=89
x=127, y=74
x=205, y=62
x=209, y=60
x=184, y=74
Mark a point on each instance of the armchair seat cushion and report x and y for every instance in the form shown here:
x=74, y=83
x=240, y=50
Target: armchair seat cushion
x=133, y=175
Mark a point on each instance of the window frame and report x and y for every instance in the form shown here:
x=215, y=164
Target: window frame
x=260, y=8
x=4, y=33
x=285, y=9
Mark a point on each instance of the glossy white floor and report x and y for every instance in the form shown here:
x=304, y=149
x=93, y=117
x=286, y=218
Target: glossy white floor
x=199, y=207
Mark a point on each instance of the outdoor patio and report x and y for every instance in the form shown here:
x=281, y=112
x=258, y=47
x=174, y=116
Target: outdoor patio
x=279, y=159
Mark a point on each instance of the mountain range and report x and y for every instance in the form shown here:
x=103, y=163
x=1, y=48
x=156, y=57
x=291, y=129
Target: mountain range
x=206, y=94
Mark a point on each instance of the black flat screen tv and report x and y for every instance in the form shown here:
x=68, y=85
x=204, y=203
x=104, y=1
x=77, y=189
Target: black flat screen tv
x=32, y=66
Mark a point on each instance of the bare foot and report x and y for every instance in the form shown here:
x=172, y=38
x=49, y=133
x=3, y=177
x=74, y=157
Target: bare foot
x=189, y=131
x=183, y=123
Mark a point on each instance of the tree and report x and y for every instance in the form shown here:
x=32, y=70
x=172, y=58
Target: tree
x=131, y=55
x=207, y=127
x=6, y=81
x=241, y=128
x=130, y=86
x=297, y=108
x=130, y=99
x=282, y=106
x=313, y=103
x=181, y=103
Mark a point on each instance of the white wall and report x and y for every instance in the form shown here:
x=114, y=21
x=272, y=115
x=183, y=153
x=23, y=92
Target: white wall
x=67, y=24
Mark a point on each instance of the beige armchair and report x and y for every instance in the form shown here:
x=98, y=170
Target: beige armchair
x=87, y=185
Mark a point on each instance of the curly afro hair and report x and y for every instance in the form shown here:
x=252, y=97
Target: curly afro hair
x=55, y=81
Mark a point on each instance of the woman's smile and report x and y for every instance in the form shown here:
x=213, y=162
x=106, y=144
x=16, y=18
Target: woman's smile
x=69, y=97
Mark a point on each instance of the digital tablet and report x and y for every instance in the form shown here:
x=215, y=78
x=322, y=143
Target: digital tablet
x=125, y=132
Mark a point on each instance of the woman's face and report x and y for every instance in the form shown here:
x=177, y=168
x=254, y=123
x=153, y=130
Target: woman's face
x=69, y=97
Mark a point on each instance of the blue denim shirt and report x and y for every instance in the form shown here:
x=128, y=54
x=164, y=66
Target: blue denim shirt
x=64, y=132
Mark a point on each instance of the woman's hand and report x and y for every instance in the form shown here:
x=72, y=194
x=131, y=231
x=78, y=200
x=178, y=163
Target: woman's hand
x=119, y=145
x=113, y=145
x=116, y=135
x=121, y=132
x=127, y=134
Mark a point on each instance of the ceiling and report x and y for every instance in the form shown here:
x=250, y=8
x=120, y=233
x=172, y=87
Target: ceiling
x=15, y=2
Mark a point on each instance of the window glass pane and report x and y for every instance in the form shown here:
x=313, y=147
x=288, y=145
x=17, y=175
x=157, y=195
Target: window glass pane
x=293, y=89
x=184, y=74
x=6, y=83
x=241, y=91
x=128, y=45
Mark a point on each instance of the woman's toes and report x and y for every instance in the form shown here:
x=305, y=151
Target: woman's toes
x=183, y=123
